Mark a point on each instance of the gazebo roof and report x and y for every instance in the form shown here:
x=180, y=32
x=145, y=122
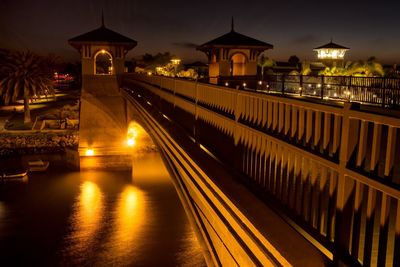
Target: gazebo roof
x=102, y=35
x=235, y=40
x=331, y=45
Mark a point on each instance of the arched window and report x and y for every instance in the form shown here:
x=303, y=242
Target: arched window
x=103, y=63
x=238, y=64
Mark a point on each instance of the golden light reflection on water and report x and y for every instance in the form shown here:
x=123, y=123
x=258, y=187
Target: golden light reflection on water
x=87, y=217
x=129, y=227
x=2, y=211
x=190, y=252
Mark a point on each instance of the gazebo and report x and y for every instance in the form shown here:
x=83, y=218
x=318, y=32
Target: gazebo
x=102, y=51
x=233, y=54
x=331, y=53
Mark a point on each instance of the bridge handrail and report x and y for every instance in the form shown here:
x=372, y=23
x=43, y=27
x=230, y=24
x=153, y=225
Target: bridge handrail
x=346, y=159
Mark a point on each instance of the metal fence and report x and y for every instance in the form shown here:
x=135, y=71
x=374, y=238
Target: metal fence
x=368, y=90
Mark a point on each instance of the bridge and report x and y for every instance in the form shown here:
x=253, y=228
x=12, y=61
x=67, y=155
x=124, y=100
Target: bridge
x=291, y=174
x=272, y=180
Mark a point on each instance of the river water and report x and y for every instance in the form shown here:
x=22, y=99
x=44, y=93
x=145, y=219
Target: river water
x=96, y=218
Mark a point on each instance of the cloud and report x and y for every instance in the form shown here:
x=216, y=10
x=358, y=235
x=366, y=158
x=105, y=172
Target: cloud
x=185, y=44
x=305, y=39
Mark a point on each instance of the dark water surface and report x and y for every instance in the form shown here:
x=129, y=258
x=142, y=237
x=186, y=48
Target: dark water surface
x=96, y=218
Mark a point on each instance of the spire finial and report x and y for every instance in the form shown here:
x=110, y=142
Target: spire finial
x=331, y=39
x=232, y=25
x=102, y=18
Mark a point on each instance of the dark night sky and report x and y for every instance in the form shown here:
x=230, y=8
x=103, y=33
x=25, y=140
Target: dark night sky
x=369, y=28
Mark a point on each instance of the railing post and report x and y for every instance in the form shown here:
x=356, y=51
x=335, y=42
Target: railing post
x=349, y=87
x=322, y=86
x=196, y=112
x=174, y=89
x=383, y=92
x=283, y=84
x=301, y=84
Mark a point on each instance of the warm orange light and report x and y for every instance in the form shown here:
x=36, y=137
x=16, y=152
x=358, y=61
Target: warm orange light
x=89, y=152
x=103, y=51
x=87, y=217
x=176, y=61
x=131, y=142
x=130, y=223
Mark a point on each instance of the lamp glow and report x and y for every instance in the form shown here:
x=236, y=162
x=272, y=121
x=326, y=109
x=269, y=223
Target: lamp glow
x=130, y=142
x=89, y=152
x=176, y=61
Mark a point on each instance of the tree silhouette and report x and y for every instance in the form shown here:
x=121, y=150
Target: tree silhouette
x=265, y=62
x=25, y=75
x=294, y=60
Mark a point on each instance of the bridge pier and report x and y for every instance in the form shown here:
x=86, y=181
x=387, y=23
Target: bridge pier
x=103, y=125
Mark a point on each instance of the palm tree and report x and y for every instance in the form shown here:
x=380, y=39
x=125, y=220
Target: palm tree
x=25, y=75
x=265, y=62
x=305, y=68
x=368, y=68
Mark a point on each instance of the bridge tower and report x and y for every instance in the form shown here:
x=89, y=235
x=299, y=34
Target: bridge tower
x=232, y=54
x=103, y=119
x=331, y=54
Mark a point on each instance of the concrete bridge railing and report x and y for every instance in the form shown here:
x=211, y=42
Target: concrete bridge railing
x=331, y=169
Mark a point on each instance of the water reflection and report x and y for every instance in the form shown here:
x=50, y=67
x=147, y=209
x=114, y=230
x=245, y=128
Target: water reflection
x=2, y=216
x=86, y=220
x=189, y=252
x=128, y=227
x=96, y=218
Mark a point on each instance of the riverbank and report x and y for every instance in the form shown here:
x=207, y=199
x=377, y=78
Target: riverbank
x=17, y=143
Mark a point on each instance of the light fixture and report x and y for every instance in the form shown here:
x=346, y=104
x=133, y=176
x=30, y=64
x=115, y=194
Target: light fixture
x=89, y=152
x=130, y=142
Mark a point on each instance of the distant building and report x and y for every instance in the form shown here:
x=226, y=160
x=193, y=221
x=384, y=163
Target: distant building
x=331, y=53
x=233, y=54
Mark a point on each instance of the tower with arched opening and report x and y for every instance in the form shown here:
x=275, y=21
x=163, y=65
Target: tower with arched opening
x=331, y=54
x=233, y=54
x=103, y=118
